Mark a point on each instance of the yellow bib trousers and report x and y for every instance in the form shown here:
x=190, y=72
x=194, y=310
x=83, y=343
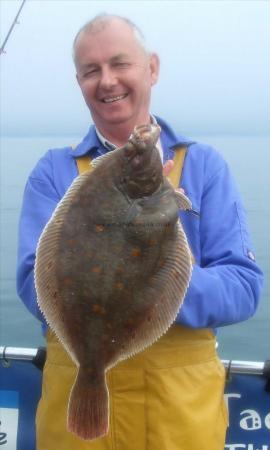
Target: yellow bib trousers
x=168, y=397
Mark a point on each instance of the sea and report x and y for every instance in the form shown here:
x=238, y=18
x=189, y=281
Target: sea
x=249, y=159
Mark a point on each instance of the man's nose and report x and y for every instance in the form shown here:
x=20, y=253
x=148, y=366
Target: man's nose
x=108, y=78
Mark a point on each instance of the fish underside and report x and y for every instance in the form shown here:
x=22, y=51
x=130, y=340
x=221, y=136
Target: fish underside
x=112, y=269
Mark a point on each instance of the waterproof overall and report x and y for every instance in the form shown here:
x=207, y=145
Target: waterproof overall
x=168, y=397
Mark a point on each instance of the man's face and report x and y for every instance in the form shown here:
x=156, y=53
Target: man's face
x=115, y=75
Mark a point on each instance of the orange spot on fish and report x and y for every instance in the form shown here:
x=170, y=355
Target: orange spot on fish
x=71, y=242
x=152, y=242
x=99, y=228
x=138, y=221
x=136, y=252
x=67, y=282
x=98, y=309
x=119, y=286
x=96, y=269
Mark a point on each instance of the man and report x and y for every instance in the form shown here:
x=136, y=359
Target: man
x=169, y=397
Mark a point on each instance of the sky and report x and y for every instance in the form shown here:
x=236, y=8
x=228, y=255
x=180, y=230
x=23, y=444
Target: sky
x=215, y=64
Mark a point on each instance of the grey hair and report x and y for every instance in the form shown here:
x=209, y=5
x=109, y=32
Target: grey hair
x=100, y=21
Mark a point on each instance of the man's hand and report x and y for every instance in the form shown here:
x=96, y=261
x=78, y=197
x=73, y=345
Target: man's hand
x=168, y=167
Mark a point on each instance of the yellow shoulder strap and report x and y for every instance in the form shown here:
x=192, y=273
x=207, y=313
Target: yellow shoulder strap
x=175, y=174
x=84, y=164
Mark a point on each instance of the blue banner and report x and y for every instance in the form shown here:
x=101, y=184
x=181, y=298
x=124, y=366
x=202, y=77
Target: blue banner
x=20, y=389
x=249, y=413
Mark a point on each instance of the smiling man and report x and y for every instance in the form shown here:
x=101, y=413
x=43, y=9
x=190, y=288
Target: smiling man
x=115, y=74
x=170, y=396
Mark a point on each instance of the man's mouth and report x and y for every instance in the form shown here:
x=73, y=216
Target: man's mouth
x=113, y=98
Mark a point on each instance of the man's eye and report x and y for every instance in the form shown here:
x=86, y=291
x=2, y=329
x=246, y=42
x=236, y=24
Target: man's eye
x=122, y=65
x=90, y=73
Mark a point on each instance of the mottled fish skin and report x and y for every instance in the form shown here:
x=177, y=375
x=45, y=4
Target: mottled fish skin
x=112, y=269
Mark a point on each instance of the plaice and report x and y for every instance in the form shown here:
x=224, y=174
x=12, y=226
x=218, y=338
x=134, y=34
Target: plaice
x=112, y=269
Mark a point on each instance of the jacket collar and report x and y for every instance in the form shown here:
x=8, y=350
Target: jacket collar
x=169, y=140
x=89, y=144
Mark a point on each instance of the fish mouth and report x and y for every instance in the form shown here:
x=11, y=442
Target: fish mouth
x=113, y=98
x=144, y=136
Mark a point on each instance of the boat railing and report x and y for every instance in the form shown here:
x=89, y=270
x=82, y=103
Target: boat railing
x=37, y=356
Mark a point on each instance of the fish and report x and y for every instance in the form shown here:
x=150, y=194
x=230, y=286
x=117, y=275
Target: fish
x=112, y=268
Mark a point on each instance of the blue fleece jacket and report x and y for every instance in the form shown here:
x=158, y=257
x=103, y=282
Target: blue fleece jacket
x=226, y=281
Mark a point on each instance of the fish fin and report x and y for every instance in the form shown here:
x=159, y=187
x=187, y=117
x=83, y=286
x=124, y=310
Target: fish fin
x=46, y=263
x=183, y=201
x=169, y=287
x=100, y=159
x=88, y=409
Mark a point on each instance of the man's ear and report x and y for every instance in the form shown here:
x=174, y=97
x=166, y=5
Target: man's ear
x=154, y=68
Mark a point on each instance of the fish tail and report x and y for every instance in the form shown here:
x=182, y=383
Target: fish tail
x=88, y=409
